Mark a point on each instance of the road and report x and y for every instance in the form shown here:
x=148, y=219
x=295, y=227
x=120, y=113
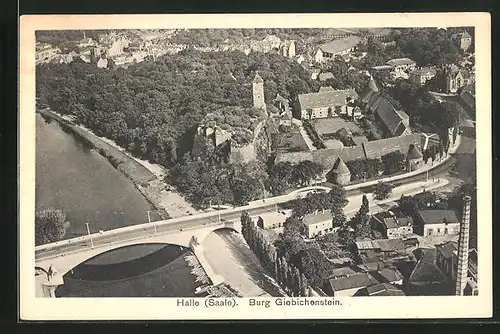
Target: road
x=466, y=148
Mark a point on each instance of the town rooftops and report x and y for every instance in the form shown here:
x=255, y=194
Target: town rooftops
x=394, y=222
x=447, y=249
x=325, y=76
x=325, y=98
x=385, y=245
x=391, y=117
x=426, y=270
x=340, y=45
x=381, y=67
x=383, y=289
x=424, y=71
x=438, y=216
x=400, y=61
x=359, y=280
x=414, y=153
x=326, y=89
x=315, y=218
x=342, y=272
x=390, y=274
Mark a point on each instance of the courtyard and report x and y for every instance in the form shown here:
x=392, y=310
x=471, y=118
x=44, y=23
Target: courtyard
x=326, y=126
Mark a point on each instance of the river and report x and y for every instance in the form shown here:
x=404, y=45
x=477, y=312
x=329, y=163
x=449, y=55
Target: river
x=76, y=179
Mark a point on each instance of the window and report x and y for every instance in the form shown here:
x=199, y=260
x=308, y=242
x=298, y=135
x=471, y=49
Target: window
x=445, y=231
x=438, y=230
x=429, y=232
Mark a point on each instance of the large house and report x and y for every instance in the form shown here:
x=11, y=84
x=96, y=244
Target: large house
x=337, y=47
x=380, y=250
x=393, y=227
x=446, y=261
x=318, y=223
x=421, y=76
x=326, y=103
x=402, y=64
x=396, y=122
x=436, y=222
x=348, y=286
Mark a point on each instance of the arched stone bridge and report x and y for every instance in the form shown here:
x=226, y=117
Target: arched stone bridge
x=192, y=238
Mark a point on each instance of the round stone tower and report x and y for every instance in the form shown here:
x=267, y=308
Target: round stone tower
x=340, y=173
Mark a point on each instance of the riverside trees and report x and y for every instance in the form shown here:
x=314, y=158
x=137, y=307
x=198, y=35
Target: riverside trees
x=50, y=226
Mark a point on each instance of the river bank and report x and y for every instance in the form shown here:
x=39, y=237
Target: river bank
x=143, y=179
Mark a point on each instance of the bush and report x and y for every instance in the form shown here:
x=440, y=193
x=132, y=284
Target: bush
x=382, y=190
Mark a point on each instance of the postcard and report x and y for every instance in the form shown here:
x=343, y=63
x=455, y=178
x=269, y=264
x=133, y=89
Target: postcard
x=234, y=166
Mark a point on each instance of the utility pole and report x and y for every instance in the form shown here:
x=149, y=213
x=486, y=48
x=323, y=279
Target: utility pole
x=218, y=213
x=149, y=221
x=90, y=235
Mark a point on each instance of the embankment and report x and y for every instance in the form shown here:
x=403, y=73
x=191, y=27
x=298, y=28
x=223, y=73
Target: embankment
x=144, y=180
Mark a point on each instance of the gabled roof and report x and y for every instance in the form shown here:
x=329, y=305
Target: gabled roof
x=447, y=249
x=340, y=45
x=390, y=274
x=377, y=148
x=414, y=152
x=424, y=71
x=400, y=61
x=359, y=280
x=324, y=99
x=315, y=218
x=438, y=216
x=384, y=289
x=426, y=270
x=389, y=116
x=342, y=272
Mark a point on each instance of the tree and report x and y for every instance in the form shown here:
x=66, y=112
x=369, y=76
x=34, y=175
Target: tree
x=314, y=265
x=361, y=221
x=50, y=226
x=394, y=162
x=338, y=201
x=382, y=190
x=307, y=171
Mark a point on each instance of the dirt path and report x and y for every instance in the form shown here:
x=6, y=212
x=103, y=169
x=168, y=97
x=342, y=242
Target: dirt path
x=230, y=257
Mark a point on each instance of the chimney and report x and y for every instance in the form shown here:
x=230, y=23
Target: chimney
x=463, y=249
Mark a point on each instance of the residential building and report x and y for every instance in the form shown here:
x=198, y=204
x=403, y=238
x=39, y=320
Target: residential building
x=348, y=286
x=436, y=222
x=464, y=40
x=393, y=227
x=426, y=277
x=270, y=220
x=380, y=289
x=318, y=223
x=422, y=75
x=342, y=272
x=456, y=78
x=45, y=52
x=402, y=64
x=326, y=103
x=339, y=47
x=396, y=122
x=380, y=250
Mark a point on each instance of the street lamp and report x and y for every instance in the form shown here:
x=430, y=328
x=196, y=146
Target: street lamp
x=90, y=235
x=218, y=211
x=149, y=221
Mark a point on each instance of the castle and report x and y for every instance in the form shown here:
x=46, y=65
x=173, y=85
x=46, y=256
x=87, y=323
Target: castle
x=222, y=139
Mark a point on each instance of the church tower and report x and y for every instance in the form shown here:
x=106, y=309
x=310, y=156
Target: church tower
x=258, y=92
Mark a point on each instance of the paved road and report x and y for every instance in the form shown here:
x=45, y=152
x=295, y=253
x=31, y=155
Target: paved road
x=105, y=239
x=467, y=146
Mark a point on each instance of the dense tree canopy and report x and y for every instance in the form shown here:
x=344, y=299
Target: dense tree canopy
x=153, y=108
x=50, y=226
